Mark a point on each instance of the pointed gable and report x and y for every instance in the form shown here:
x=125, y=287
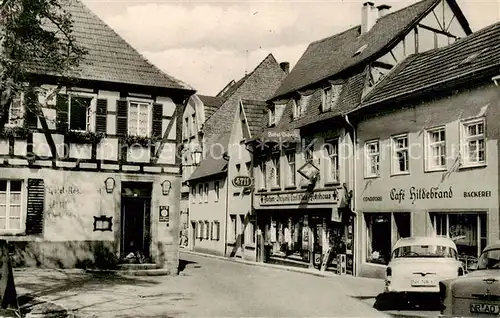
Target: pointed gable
x=337, y=54
x=109, y=57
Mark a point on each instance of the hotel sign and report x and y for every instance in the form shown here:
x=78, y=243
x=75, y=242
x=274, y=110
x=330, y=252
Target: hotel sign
x=296, y=198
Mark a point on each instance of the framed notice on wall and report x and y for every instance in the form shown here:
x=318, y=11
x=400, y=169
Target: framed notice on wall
x=164, y=213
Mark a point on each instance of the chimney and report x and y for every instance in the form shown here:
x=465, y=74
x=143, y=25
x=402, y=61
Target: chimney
x=367, y=16
x=383, y=9
x=285, y=66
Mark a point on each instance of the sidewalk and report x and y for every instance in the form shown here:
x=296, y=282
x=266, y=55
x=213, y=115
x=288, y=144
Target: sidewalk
x=359, y=287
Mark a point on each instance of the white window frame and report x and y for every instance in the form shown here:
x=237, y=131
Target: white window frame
x=18, y=122
x=395, y=150
x=430, y=145
x=193, y=195
x=205, y=192
x=326, y=98
x=272, y=116
x=141, y=102
x=217, y=190
x=262, y=166
x=193, y=124
x=369, y=159
x=200, y=193
x=291, y=167
x=90, y=114
x=295, y=109
x=22, y=207
x=187, y=130
x=465, y=139
x=276, y=163
x=332, y=157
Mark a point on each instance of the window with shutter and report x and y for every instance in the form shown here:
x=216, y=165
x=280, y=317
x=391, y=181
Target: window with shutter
x=121, y=117
x=101, y=116
x=35, y=205
x=16, y=110
x=11, y=206
x=76, y=111
x=62, y=112
x=31, y=117
x=157, y=130
x=139, y=119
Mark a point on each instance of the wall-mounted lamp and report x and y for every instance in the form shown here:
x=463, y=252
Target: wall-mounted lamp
x=109, y=183
x=196, y=157
x=496, y=80
x=165, y=187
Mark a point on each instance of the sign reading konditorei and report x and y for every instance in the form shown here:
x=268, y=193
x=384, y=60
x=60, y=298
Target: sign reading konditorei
x=319, y=197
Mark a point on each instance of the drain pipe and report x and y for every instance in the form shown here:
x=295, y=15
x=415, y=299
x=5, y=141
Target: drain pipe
x=354, y=205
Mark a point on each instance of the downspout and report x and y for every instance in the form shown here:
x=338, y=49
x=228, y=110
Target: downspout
x=252, y=211
x=353, y=199
x=227, y=209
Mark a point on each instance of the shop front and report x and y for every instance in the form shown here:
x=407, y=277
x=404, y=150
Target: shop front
x=467, y=212
x=305, y=229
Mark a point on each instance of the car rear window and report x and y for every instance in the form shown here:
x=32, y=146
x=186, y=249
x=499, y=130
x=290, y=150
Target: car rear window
x=424, y=251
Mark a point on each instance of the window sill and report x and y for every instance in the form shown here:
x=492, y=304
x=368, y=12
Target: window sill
x=472, y=166
x=276, y=189
x=305, y=186
x=375, y=176
x=395, y=174
x=262, y=190
x=250, y=247
x=435, y=170
x=291, y=187
x=332, y=184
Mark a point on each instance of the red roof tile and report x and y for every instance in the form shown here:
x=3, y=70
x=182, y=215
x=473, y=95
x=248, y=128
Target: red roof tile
x=439, y=66
x=331, y=56
x=110, y=58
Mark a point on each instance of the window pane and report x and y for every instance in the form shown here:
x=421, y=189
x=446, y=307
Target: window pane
x=15, y=198
x=15, y=186
x=2, y=224
x=15, y=211
x=15, y=223
x=78, y=115
x=3, y=185
x=2, y=210
x=3, y=198
x=379, y=237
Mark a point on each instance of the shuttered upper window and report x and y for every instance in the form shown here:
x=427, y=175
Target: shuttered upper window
x=81, y=112
x=139, y=120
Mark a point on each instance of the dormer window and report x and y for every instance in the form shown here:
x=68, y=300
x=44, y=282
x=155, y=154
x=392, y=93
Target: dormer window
x=295, y=107
x=330, y=97
x=300, y=106
x=272, y=116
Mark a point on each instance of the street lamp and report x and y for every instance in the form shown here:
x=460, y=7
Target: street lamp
x=196, y=156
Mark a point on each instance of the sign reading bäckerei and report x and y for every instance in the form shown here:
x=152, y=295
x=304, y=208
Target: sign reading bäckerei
x=317, y=197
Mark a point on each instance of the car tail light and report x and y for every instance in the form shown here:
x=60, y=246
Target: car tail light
x=388, y=271
x=460, y=271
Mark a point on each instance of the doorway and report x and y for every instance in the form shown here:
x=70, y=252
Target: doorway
x=136, y=222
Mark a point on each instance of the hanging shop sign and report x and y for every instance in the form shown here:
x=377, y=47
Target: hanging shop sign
x=242, y=182
x=317, y=197
x=309, y=171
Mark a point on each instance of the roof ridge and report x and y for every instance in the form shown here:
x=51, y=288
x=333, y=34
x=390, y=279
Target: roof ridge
x=154, y=67
x=406, y=8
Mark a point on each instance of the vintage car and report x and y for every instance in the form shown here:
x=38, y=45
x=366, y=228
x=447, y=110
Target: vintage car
x=477, y=293
x=418, y=264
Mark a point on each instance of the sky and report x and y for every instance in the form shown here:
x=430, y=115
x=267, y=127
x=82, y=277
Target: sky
x=206, y=44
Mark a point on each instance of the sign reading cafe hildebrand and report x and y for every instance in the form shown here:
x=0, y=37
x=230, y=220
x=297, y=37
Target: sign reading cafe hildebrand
x=414, y=194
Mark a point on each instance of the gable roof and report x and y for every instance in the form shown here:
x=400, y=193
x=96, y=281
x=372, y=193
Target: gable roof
x=110, y=58
x=211, y=104
x=255, y=112
x=258, y=85
x=468, y=57
x=333, y=55
x=213, y=162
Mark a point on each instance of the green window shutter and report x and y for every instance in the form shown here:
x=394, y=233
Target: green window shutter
x=31, y=117
x=35, y=205
x=101, y=116
x=62, y=103
x=157, y=120
x=121, y=117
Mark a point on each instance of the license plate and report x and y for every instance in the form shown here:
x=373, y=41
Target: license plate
x=423, y=282
x=485, y=309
